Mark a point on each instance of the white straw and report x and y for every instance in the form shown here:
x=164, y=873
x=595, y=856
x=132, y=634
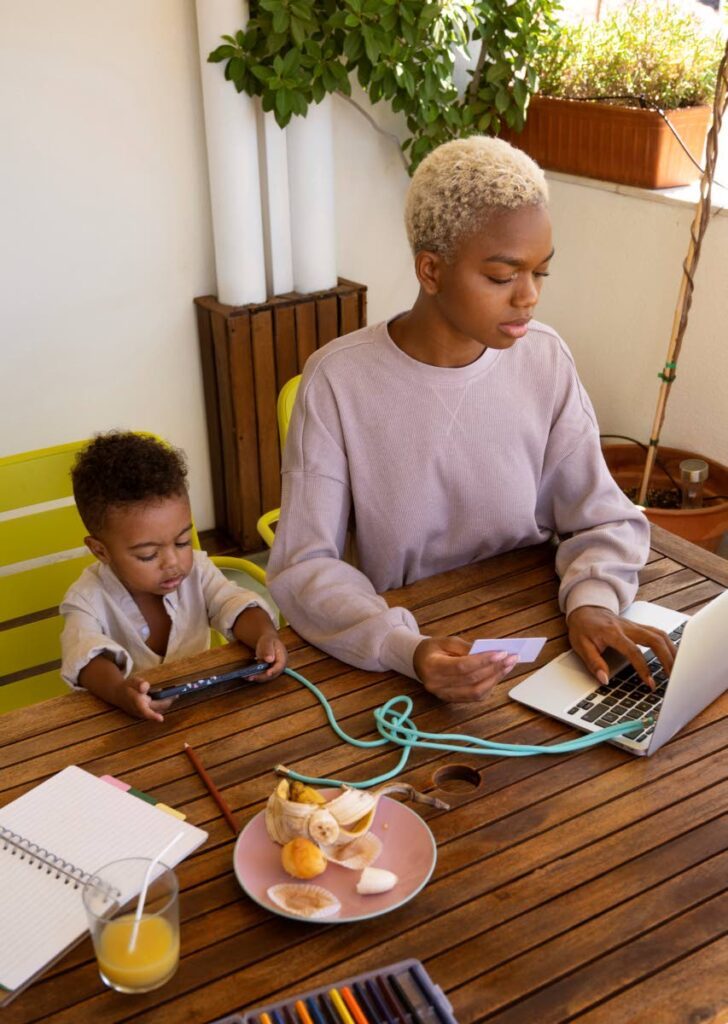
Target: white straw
x=143, y=893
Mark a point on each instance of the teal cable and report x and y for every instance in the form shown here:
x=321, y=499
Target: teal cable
x=397, y=727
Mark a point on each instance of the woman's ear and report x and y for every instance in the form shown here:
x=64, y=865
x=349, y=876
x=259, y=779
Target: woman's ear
x=428, y=267
x=97, y=548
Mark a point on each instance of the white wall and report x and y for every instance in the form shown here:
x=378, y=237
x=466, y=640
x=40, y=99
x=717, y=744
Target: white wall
x=612, y=294
x=106, y=234
x=106, y=240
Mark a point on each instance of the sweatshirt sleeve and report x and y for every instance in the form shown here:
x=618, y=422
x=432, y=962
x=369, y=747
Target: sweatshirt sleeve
x=329, y=602
x=83, y=638
x=606, y=537
x=224, y=599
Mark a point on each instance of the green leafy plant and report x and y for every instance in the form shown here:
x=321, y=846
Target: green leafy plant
x=661, y=51
x=293, y=52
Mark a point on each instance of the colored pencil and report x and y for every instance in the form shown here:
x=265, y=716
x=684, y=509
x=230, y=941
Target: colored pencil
x=390, y=1001
x=312, y=1007
x=265, y=1019
x=354, y=1008
x=304, y=1015
x=340, y=1008
x=365, y=1001
x=212, y=788
x=380, y=1006
x=405, y=1000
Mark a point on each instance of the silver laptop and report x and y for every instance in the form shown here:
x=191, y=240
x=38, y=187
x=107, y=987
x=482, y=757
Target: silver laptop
x=565, y=689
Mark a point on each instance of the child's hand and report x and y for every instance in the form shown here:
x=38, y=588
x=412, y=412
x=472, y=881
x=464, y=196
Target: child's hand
x=270, y=648
x=135, y=700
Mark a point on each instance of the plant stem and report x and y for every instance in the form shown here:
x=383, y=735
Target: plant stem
x=478, y=72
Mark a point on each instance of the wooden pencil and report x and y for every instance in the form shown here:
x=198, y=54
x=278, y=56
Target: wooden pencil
x=214, y=791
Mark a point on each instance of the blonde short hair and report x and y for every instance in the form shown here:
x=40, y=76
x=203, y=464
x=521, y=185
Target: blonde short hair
x=456, y=188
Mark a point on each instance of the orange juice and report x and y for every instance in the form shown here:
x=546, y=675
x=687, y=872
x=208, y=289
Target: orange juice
x=153, y=959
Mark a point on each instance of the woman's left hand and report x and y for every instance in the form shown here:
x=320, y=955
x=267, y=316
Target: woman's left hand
x=593, y=629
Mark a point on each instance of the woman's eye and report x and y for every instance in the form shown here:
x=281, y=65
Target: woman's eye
x=501, y=280
x=541, y=273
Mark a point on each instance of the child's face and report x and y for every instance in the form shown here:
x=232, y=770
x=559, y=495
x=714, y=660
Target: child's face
x=490, y=290
x=149, y=546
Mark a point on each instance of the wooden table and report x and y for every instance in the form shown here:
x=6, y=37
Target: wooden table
x=589, y=887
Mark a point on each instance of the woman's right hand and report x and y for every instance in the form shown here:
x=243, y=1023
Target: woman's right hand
x=445, y=668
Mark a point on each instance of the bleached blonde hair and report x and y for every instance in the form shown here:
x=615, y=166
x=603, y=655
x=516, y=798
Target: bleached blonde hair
x=460, y=184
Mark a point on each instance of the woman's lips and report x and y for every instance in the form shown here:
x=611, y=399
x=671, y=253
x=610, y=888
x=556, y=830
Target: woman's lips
x=514, y=328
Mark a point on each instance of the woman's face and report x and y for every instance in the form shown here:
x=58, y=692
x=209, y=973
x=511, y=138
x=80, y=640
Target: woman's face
x=489, y=291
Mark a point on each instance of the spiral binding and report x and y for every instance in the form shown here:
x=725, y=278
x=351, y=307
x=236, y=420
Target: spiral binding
x=41, y=858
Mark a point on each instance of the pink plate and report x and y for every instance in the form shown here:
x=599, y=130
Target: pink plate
x=408, y=849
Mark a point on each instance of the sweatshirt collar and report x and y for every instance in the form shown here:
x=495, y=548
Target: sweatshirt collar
x=457, y=375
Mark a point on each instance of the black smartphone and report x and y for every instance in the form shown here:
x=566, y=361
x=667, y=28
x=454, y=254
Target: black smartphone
x=250, y=668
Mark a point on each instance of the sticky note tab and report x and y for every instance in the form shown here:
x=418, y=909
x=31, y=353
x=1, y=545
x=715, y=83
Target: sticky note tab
x=142, y=796
x=117, y=783
x=527, y=648
x=170, y=810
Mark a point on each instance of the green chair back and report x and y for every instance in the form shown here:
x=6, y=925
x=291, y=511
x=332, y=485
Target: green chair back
x=41, y=554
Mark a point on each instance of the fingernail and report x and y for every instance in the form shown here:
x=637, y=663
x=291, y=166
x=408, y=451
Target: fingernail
x=602, y=677
x=499, y=656
x=511, y=661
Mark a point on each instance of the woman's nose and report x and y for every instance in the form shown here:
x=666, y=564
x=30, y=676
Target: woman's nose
x=526, y=292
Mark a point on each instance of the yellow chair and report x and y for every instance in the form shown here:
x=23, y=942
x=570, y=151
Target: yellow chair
x=41, y=554
x=286, y=401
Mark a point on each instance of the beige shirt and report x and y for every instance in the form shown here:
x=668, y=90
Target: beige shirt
x=101, y=617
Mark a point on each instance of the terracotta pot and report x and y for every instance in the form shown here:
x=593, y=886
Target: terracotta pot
x=704, y=526
x=627, y=145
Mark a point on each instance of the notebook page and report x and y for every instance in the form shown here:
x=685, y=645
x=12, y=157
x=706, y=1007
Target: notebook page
x=87, y=823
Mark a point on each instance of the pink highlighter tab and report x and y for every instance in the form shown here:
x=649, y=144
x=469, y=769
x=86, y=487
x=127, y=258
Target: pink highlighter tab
x=117, y=783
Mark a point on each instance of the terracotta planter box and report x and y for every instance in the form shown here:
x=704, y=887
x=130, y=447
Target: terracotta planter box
x=627, y=145
x=703, y=526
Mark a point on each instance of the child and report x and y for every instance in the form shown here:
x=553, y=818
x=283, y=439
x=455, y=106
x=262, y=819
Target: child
x=453, y=432
x=150, y=598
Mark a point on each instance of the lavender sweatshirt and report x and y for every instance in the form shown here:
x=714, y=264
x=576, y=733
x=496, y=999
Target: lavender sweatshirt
x=440, y=467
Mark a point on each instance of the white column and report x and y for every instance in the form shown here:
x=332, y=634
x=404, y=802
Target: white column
x=279, y=263
x=311, y=187
x=232, y=154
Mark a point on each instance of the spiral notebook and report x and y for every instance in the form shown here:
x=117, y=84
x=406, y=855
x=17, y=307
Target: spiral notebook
x=52, y=839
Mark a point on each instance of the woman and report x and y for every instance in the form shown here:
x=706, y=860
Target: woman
x=456, y=431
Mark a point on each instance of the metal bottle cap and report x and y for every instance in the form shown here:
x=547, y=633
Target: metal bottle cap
x=693, y=471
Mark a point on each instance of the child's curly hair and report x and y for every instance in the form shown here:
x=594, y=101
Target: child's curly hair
x=120, y=468
x=456, y=188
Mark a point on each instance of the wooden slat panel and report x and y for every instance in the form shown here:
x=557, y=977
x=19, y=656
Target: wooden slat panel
x=284, y=344
x=349, y=319
x=327, y=320
x=266, y=394
x=212, y=414
x=35, y=643
x=227, y=423
x=38, y=589
x=305, y=332
x=43, y=533
x=246, y=438
x=31, y=691
x=35, y=477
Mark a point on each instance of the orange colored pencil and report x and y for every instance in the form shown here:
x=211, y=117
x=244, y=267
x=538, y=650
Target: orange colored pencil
x=213, y=790
x=353, y=1005
x=303, y=1013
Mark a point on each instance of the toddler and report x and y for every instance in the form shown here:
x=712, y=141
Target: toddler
x=150, y=598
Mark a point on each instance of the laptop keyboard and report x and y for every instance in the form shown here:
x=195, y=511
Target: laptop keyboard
x=626, y=697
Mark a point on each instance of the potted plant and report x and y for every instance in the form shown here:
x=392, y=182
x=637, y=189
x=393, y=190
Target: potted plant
x=696, y=507
x=614, y=93
x=293, y=52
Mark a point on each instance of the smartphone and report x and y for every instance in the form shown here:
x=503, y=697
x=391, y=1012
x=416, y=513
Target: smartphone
x=250, y=668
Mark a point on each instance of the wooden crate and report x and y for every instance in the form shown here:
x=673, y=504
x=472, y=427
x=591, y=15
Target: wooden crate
x=248, y=353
